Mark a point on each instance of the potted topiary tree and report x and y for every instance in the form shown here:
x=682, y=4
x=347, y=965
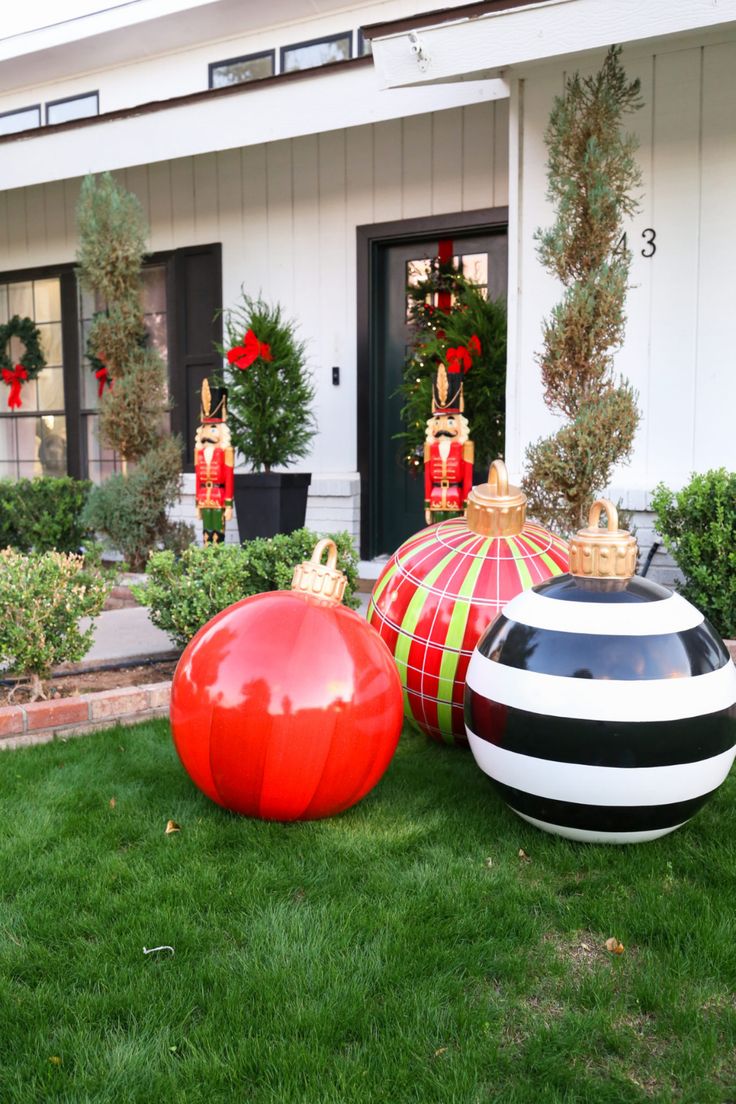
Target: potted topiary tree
x=270, y=393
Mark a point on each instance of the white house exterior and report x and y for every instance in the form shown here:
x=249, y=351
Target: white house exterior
x=296, y=185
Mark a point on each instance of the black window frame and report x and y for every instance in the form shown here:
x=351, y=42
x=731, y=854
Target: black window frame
x=271, y=54
x=321, y=41
x=364, y=45
x=21, y=111
x=71, y=99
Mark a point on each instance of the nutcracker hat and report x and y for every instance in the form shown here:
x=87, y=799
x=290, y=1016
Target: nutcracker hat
x=213, y=403
x=447, y=398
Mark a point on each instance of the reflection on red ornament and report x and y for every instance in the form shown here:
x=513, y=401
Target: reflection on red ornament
x=443, y=587
x=287, y=705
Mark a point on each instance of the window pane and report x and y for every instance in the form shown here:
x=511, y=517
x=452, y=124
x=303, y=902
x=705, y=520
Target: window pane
x=241, y=70
x=51, y=342
x=101, y=461
x=475, y=267
x=51, y=433
x=20, y=300
x=154, y=289
x=78, y=108
x=4, y=316
x=7, y=441
x=16, y=121
x=312, y=54
x=51, y=389
x=28, y=441
x=47, y=298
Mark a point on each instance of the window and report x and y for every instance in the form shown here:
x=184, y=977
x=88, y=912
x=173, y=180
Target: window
x=74, y=107
x=23, y=119
x=320, y=51
x=241, y=69
x=55, y=431
x=33, y=439
x=365, y=46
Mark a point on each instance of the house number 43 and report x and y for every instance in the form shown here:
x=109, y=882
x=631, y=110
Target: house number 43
x=650, y=243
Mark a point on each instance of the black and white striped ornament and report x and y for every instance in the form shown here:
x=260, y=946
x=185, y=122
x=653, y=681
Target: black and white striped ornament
x=599, y=703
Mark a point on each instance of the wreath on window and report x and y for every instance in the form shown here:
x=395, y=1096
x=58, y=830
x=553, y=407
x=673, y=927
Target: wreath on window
x=30, y=364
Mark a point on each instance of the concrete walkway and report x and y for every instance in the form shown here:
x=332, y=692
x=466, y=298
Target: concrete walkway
x=127, y=635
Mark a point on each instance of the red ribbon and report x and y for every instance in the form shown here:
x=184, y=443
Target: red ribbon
x=244, y=355
x=458, y=359
x=14, y=378
x=102, y=377
x=474, y=345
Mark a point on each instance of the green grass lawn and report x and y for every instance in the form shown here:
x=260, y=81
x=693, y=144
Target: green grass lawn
x=402, y=952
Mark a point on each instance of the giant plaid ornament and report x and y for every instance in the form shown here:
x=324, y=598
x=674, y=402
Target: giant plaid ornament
x=287, y=705
x=600, y=704
x=443, y=586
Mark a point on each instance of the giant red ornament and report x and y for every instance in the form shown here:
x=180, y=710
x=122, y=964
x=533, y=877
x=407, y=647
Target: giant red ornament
x=445, y=585
x=287, y=705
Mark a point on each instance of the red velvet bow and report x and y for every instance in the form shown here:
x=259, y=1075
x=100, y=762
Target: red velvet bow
x=244, y=355
x=14, y=378
x=102, y=377
x=458, y=359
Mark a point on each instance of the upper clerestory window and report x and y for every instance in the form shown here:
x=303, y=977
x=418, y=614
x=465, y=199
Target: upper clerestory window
x=24, y=118
x=73, y=107
x=318, y=51
x=238, y=70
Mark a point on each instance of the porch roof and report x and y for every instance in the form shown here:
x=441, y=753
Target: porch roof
x=486, y=38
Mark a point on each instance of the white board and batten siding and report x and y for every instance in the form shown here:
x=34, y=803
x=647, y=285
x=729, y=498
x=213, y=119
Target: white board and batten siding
x=680, y=345
x=286, y=214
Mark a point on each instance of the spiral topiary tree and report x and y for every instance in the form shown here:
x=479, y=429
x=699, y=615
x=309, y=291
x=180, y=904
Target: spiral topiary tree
x=592, y=177
x=112, y=245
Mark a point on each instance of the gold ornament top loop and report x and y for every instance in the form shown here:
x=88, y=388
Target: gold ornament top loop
x=324, y=581
x=597, y=553
x=496, y=509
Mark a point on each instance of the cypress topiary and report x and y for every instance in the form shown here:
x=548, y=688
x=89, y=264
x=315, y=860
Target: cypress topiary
x=592, y=176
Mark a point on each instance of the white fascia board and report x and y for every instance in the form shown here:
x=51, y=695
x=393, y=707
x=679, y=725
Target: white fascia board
x=260, y=115
x=59, y=31
x=557, y=28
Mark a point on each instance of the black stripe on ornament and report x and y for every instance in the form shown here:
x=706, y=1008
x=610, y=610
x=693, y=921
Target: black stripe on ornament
x=601, y=818
x=600, y=743
x=569, y=588
x=685, y=654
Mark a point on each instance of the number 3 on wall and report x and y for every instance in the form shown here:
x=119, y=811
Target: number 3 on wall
x=650, y=247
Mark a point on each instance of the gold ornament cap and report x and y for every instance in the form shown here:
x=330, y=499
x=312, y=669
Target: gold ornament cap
x=494, y=508
x=322, y=580
x=597, y=553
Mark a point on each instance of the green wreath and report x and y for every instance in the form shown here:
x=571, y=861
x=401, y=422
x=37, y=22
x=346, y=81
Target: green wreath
x=29, y=365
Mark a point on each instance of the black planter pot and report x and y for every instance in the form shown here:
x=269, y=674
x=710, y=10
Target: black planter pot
x=267, y=503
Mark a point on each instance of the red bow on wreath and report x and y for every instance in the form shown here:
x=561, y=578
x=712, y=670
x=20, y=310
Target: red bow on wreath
x=460, y=358
x=14, y=378
x=102, y=376
x=244, y=355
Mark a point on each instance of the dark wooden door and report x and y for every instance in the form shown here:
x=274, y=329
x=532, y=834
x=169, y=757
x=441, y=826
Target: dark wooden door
x=397, y=495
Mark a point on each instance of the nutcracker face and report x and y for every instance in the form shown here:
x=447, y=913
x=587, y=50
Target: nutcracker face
x=452, y=426
x=210, y=433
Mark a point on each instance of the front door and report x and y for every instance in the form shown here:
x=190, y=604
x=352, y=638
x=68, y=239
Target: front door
x=396, y=498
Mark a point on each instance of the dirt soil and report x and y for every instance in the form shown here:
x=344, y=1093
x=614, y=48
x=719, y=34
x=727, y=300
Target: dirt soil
x=88, y=682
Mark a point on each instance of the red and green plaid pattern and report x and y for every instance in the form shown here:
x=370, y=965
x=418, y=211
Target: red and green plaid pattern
x=435, y=597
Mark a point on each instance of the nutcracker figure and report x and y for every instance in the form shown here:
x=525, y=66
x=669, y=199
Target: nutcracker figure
x=448, y=452
x=214, y=460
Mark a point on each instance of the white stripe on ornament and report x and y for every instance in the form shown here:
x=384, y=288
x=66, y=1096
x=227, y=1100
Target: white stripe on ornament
x=586, y=785
x=668, y=615
x=603, y=699
x=583, y=835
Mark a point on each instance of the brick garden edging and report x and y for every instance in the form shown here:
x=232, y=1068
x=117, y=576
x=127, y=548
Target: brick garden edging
x=39, y=722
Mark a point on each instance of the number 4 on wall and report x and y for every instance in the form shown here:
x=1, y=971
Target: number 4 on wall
x=650, y=247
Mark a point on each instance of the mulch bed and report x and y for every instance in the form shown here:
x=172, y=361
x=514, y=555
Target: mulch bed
x=89, y=682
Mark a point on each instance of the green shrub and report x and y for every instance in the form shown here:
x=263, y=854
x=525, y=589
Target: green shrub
x=131, y=510
x=42, y=596
x=185, y=594
x=45, y=513
x=698, y=526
